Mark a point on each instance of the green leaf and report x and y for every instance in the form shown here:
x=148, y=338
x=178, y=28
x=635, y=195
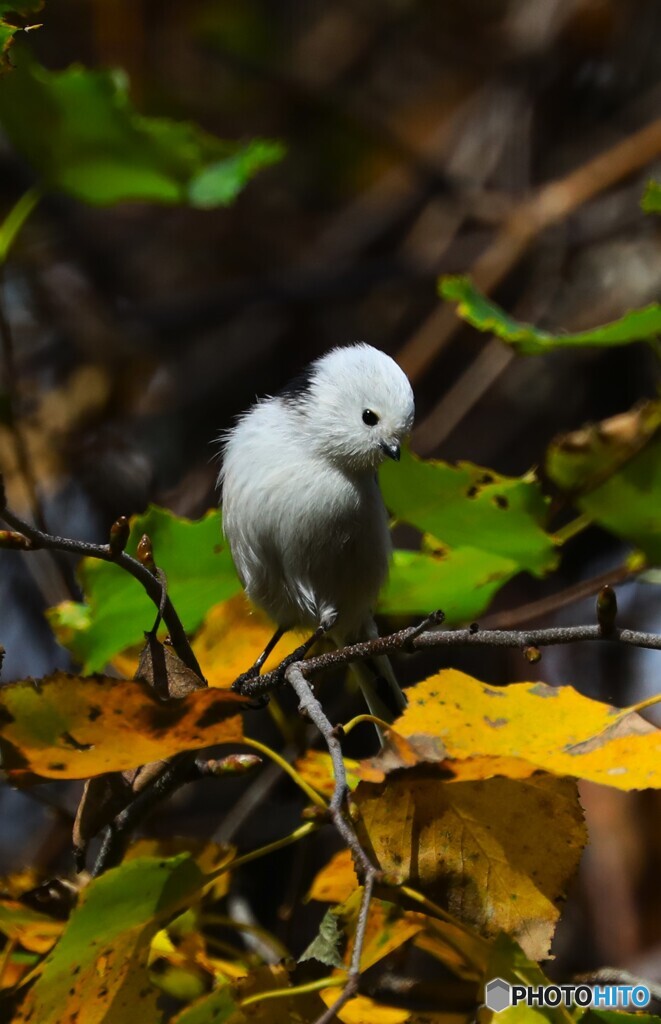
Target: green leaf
x=463, y=582
x=81, y=134
x=326, y=946
x=117, y=612
x=480, y=312
x=651, y=201
x=98, y=969
x=481, y=529
x=612, y=470
x=17, y=10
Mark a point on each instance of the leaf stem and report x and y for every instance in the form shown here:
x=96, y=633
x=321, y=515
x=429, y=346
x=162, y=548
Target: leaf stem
x=15, y=220
x=572, y=529
x=296, y=777
x=295, y=990
x=300, y=833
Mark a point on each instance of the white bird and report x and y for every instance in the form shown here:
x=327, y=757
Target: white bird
x=302, y=510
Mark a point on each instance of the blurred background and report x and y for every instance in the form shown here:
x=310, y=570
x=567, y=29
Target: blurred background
x=420, y=138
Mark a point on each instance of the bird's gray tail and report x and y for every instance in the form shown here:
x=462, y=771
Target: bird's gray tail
x=378, y=683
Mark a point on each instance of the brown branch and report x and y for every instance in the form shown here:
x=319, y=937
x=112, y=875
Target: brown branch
x=309, y=706
x=151, y=583
x=410, y=639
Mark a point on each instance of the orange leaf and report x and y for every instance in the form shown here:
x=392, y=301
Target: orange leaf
x=67, y=727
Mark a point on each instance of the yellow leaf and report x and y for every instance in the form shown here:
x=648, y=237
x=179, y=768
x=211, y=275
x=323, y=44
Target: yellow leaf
x=335, y=882
x=227, y=643
x=316, y=768
x=67, y=727
x=515, y=730
x=363, y=1010
x=496, y=853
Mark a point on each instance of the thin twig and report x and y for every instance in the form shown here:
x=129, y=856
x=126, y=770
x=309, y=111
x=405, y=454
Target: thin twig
x=151, y=584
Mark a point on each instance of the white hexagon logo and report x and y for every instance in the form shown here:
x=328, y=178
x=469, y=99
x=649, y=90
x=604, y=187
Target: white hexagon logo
x=497, y=995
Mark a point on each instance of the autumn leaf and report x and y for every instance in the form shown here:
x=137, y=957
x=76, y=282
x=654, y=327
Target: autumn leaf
x=479, y=528
x=97, y=972
x=67, y=727
x=485, y=730
x=483, y=850
x=336, y=881
x=117, y=611
x=612, y=470
x=34, y=931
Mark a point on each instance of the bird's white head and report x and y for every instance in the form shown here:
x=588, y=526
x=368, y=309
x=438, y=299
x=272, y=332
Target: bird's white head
x=357, y=406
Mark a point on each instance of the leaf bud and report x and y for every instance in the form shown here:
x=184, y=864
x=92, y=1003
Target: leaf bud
x=233, y=764
x=532, y=654
x=119, y=535
x=145, y=554
x=606, y=610
x=14, y=541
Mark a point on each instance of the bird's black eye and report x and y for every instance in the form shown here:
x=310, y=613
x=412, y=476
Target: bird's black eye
x=370, y=418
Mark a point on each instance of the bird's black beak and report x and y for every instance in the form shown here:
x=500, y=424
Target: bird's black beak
x=392, y=450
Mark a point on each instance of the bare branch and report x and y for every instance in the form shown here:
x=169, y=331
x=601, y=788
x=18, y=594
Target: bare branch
x=411, y=639
x=310, y=707
x=152, y=584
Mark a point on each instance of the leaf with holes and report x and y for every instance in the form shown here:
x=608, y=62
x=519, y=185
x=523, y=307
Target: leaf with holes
x=480, y=529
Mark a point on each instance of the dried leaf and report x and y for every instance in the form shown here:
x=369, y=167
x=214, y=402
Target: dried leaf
x=325, y=947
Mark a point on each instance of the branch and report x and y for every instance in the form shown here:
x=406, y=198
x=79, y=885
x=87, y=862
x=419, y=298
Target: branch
x=410, y=639
x=309, y=706
x=151, y=584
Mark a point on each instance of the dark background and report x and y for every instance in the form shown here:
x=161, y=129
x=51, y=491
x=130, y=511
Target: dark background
x=414, y=131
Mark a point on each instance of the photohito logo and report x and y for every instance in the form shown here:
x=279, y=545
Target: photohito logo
x=499, y=994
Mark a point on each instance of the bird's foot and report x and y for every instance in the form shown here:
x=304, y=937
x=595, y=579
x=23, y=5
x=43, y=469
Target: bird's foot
x=246, y=677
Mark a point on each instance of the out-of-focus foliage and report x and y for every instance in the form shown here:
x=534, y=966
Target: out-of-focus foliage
x=12, y=14
x=422, y=137
x=486, y=316
x=81, y=135
x=612, y=471
x=651, y=201
x=99, y=969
